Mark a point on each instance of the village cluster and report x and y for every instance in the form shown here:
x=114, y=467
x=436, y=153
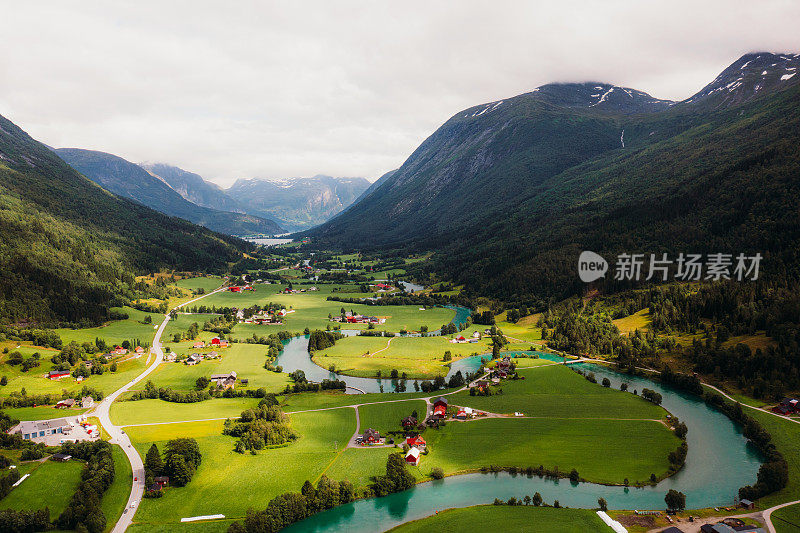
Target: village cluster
x=118, y=351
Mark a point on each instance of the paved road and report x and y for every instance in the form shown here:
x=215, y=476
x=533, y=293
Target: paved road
x=118, y=435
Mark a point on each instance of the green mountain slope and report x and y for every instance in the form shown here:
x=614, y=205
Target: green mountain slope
x=132, y=181
x=297, y=202
x=69, y=248
x=509, y=198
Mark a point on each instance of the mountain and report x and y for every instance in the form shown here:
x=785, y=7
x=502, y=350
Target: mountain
x=132, y=181
x=297, y=202
x=70, y=249
x=194, y=188
x=508, y=193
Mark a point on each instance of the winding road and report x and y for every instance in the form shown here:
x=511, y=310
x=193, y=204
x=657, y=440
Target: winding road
x=118, y=435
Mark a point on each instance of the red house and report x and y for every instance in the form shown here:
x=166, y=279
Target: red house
x=215, y=341
x=412, y=456
x=440, y=406
x=235, y=289
x=57, y=374
x=418, y=442
x=370, y=436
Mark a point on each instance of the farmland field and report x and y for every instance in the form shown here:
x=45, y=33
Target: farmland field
x=247, y=360
x=116, y=331
x=311, y=309
x=419, y=357
x=386, y=416
x=50, y=484
x=556, y=391
x=229, y=483
x=561, y=443
x=159, y=411
x=513, y=520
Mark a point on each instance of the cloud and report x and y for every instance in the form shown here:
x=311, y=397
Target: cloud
x=275, y=89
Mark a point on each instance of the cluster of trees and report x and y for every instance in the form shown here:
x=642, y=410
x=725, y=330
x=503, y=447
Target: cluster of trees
x=152, y=392
x=485, y=318
x=21, y=398
x=39, y=337
x=514, y=314
x=256, y=428
x=651, y=396
x=7, y=481
x=179, y=461
x=396, y=479
x=288, y=508
x=307, y=386
x=319, y=340
x=84, y=511
x=25, y=521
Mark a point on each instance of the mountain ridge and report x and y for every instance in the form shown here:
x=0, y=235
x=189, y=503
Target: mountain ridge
x=132, y=181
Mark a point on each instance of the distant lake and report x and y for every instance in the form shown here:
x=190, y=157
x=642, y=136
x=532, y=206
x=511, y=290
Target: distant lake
x=269, y=242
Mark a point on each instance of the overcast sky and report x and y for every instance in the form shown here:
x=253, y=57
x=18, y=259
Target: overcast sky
x=276, y=89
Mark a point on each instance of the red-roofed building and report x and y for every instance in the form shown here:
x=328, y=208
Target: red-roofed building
x=419, y=442
x=235, y=289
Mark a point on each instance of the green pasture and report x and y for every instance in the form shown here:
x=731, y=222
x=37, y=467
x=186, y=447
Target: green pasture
x=557, y=391
x=116, y=331
x=386, y=416
x=510, y=519
x=419, y=357
x=50, y=484
x=158, y=411
x=229, y=483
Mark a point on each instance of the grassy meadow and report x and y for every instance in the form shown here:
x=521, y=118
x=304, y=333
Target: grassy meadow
x=513, y=520
x=419, y=357
x=50, y=484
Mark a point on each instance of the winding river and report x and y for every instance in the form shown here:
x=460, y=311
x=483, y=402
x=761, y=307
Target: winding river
x=719, y=462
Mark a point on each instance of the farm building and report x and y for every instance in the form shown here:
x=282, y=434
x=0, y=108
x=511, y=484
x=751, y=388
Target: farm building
x=235, y=289
x=440, y=406
x=224, y=381
x=87, y=402
x=60, y=457
x=139, y=350
x=371, y=436
x=65, y=404
x=417, y=442
x=412, y=456
x=199, y=344
x=57, y=374
x=193, y=359
x=787, y=406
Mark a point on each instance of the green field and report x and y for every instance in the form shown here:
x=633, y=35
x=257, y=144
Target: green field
x=182, y=322
x=116, y=331
x=40, y=413
x=34, y=381
x=230, y=483
x=207, y=283
x=386, y=416
x=311, y=309
x=50, y=484
x=247, y=360
x=557, y=391
x=115, y=498
x=631, y=449
x=158, y=411
x=510, y=519
x=787, y=519
x=419, y=357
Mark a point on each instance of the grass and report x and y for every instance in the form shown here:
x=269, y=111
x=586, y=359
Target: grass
x=318, y=400
x=511, y=519
x=246, y=359
x=50, y=484
x=312, y=309
x=34, y=381
x=207, y=283
x=639, y=320
x=159, y=411
x=556, y=391
x=116, y=497
x=602, y=451
x=787, y=520
x=40, y=413
x=116, y=331
x=230, y=483
x=387, y=416
x=419, y=357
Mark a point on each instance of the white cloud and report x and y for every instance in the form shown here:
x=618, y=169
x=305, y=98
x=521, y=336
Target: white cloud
x=345, y=88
